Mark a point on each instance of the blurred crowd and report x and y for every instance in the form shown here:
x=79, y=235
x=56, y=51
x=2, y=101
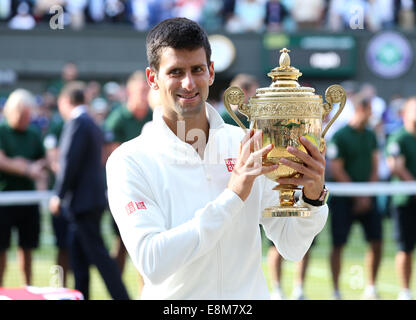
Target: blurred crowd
x=102, y=99
x=41, y=149
x=234, y=16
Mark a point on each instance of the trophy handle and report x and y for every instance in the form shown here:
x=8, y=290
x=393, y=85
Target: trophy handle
x=334, y=94
x=235, y=96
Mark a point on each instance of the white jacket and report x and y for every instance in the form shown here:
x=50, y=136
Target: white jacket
x=188, y=235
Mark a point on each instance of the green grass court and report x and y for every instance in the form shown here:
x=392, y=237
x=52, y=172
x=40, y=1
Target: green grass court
x=318, y=281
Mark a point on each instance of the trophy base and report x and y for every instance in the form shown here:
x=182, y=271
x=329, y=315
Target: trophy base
x=278, y=211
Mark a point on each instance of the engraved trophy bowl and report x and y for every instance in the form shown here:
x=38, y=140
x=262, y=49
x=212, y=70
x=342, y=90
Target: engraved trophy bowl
x=284, y=112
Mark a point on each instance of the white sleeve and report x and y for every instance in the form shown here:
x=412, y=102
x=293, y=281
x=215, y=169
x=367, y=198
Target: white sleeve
x=292, y=236
x=157, y=252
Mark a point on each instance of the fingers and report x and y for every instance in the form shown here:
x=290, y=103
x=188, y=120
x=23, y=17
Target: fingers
x=268, y=168
x=312, y=149
x=258, y=169
x=256, y=158
x=296, y=181
x=314, y=174
x=314, y=160
x=312, y=169
x=247, y=137
x=252, y=144
x=252, y=154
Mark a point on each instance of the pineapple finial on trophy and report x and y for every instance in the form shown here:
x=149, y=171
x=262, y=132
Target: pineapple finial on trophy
x=284, y=59
x=284, y=75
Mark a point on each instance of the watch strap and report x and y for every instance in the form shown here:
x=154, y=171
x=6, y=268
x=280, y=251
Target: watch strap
x=320, y=201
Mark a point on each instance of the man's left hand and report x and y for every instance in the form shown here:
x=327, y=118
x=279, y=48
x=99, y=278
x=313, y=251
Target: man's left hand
x=312, y=170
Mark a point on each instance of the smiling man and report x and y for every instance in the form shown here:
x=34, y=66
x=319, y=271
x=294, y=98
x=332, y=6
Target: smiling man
x=182, y=75
x=188, y=193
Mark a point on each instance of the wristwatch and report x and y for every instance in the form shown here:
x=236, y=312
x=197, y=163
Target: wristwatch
x=323, y=198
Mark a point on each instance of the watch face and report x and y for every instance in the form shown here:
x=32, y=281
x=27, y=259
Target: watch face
x=322, y=196
x=325, y=195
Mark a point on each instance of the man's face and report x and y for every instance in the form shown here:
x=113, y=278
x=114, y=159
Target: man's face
x=70, y=72
x=64, y=107
x=25, y=119
x=183, y=82
x=20, y=119
x=137, y=92
x=368, y=112
x=365, y=112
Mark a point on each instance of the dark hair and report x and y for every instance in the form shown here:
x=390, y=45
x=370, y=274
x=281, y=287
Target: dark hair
x=244, y=81
x=176, y=33
x=75, y=91
x=366, y=103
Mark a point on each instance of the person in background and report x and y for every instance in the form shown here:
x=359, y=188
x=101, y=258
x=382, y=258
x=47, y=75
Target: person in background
x=114, y=94
x=23, y=20
x=59, y=221
x=353, y=157
x=81, y=193
x=98, y=109
x=248, y=16
x=276, y=12
x=275, y=261
x=401, y=158
x=308, y=14
x=22, y=167
x=69, y=72
x=126, y=122
x=92, y=91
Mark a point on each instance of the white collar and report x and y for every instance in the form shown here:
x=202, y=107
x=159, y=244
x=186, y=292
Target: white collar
x=159, y=130
x=77, y=111
x=214, y=119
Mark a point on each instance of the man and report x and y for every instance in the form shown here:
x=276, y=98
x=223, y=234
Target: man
x=123, y=124
x=22, y=164
x=401, y=158
x=80, y=189
x=184, y=193
x=274, y=262
x=59, y=221
x=126, y=122
x=353, y=158
x=69, y=73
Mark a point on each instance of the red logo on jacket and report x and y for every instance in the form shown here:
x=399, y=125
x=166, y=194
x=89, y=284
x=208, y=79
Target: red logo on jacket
x=133, y=206
x=230, y=163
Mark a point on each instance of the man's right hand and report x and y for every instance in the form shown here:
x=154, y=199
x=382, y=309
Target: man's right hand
x=54, y=205
x=249, y=164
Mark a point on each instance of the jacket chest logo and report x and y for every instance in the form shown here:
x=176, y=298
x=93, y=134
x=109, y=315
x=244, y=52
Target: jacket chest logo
x=132, y=206
x=230, y=163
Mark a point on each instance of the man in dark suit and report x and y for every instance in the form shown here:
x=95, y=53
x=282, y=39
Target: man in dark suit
x=80, y=192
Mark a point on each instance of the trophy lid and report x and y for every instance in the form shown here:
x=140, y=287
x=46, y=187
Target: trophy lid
x=285, y=73
x=284, y=81
x=284, y=98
